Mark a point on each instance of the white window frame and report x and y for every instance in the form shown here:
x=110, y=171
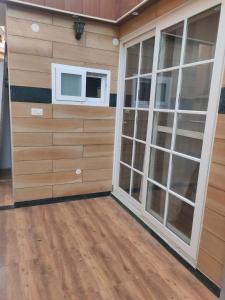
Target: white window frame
x=191, y=8
x=58, y=98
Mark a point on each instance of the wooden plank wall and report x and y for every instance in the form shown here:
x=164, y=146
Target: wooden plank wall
x=31, y=54
x=211, y=258
x=47, y=150
x=155, y=10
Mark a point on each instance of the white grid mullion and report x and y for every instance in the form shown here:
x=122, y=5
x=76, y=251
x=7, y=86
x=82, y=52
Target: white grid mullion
x=131, y=77
x=182, y=198
x=145, y=75
x=175, y=120
x=170, y=151
x=135, y=119
x=171, y=192
x=150, y=119
x=197, y=63
x=179, y=111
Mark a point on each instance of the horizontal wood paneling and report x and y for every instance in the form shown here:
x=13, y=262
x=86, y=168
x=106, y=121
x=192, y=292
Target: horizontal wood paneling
x=29, y=46
x=210, y=267
x=95, y=163
x=83, y=138
x=32, y=167
x=99, y=126
x=82, y=188
x=96, y=175
x=28, y=13
x=220, y=132
x=27, y=194
x=20, y=27
x=98, y=150
x=215, y=223
x=211, y=258
x=42, y=64
x=83, y=112
x=211, y=242
x=217, y=176
x=24, y=110
x=46, y=125
x=32, y=139
x=218, y=152
x=47, y=150
x=155, y=10
x=215, y=200
x=30, y=79
x=100, y=41
x=66, y=51
x=46, y=153
x=32, y=53
x=32, y=180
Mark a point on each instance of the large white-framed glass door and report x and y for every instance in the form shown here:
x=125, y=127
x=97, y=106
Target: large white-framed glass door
x=166, y=78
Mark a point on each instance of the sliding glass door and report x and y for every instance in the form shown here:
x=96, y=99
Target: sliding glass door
x=137, y=88
x=165, y=92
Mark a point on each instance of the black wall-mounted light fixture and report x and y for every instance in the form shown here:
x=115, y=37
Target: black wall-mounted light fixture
x=79, y=25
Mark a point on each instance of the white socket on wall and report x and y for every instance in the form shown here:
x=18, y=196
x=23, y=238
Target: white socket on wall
x=78, y=171
x=35, y=27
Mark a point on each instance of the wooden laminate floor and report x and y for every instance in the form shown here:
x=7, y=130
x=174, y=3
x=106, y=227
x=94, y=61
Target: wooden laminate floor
x=87, y=250
x=6, y=197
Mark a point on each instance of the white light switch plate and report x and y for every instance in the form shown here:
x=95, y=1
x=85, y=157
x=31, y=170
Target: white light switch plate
x=36, y=111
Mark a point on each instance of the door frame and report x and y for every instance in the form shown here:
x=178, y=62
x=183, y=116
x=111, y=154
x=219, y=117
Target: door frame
x=190, y=253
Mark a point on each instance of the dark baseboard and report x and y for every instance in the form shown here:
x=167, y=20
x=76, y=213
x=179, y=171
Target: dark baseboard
x=6, y=207
x=198, y=274
x=59, y=199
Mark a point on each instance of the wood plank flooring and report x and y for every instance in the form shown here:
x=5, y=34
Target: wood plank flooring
x=6, y=196
x=91, y=249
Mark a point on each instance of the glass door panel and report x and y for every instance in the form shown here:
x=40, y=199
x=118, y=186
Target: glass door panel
x=179, y=118
x=167, y=83
x=138, y=82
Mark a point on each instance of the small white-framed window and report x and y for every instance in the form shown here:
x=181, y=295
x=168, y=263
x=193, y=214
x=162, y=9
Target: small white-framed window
x=80, y=85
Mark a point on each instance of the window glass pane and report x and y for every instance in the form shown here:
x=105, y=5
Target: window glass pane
x=128, y=122
x=136, y=186
x=130, y=93
x=124, y=180
x=180, y=218
x=195, y=87
x=155, y=202
x=158, y=167
x=126, y=151
x=93, y=87
x=166, y=90
x=144, y=92
x=189, y=134
x=132, y=60
x=162, y=129
x=147, y=56
x=142, y=123
x=71, y=84
x=184, y=177
x=202, y=35
x=139, y=156
x=170, y=46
